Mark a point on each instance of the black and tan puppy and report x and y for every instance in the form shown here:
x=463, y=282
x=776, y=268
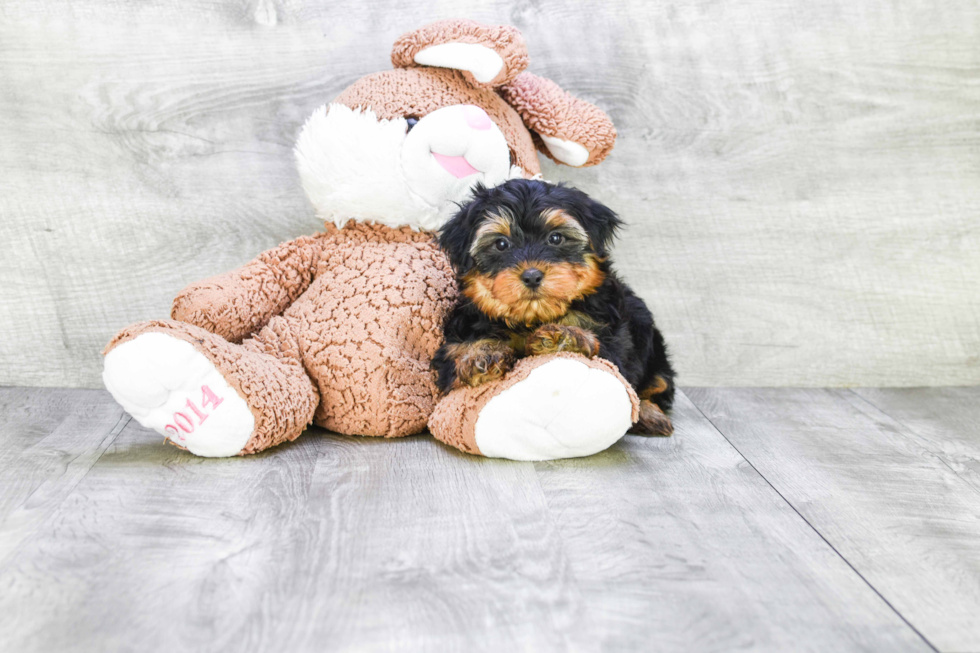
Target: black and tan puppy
x=535, y=278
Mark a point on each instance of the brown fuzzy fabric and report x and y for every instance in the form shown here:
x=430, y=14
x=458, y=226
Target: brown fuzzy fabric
x=277, y=389
x=236, y=304
x=417, y=92
x=505, y=40
x=549, y=110
x=365, y=310
x=371, y=321
x=454, y=419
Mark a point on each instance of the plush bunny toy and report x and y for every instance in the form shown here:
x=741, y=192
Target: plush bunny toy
x=339, y=328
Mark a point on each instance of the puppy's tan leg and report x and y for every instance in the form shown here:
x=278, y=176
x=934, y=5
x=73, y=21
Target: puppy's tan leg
x=481, y=361
x=553, y=338
x=652, y=420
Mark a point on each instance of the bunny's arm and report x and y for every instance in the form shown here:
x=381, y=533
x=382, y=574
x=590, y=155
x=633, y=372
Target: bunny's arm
x=236, y=304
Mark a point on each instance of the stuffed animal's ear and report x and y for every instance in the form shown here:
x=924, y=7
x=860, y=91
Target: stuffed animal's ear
x=567, y=129
x=488, y=55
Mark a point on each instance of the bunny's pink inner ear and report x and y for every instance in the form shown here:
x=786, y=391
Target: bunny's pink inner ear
x=487, y=55
x=569, y=130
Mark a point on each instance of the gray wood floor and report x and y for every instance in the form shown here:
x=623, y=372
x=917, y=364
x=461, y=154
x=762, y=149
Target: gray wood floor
x=804, y=520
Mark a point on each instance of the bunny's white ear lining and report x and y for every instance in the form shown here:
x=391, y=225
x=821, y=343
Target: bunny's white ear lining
x=568, y=152
x=484, y=63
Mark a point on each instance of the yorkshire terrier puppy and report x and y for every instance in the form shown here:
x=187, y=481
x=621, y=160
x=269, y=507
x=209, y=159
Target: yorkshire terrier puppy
x=535, y=278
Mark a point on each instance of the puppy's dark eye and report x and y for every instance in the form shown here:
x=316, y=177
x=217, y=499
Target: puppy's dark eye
x=411, y=123
x=501, y=244
x=556, y=238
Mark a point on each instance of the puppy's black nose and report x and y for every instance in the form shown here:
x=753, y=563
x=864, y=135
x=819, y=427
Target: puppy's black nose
x=532, y=277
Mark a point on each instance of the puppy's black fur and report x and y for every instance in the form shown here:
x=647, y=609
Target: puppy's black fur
x=579, y=304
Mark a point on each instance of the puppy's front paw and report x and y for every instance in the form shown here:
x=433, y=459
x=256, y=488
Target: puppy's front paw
x=553, y=338
x=482, y=361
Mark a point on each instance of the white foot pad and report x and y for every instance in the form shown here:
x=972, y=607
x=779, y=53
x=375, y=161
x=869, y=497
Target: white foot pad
x=172, y=388
x=563, y=409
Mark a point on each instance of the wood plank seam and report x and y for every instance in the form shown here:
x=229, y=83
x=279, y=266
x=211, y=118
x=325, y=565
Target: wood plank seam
x=819, y=534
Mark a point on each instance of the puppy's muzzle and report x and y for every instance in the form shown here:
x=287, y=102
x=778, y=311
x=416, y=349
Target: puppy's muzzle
x=532, y=278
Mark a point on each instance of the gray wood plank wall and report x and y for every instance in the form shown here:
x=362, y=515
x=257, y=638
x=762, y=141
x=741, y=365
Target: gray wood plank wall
x=801, y=179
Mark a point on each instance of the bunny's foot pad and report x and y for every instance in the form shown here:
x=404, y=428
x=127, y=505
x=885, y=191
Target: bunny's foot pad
x=552, y=406
x=172, y=388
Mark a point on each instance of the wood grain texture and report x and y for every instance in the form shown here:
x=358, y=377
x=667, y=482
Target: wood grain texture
x=901, y=516
x=330, y=543
x=677, y=544
x=944, y=421
x=800, y=179
x=356, y=544
x=49, y=442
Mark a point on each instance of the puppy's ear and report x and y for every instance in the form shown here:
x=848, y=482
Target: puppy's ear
x=456, y=236
x=487, y=55
x=600, y=222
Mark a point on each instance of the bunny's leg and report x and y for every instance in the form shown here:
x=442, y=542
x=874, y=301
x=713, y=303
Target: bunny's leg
x=207, y=395
x=547, y=407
